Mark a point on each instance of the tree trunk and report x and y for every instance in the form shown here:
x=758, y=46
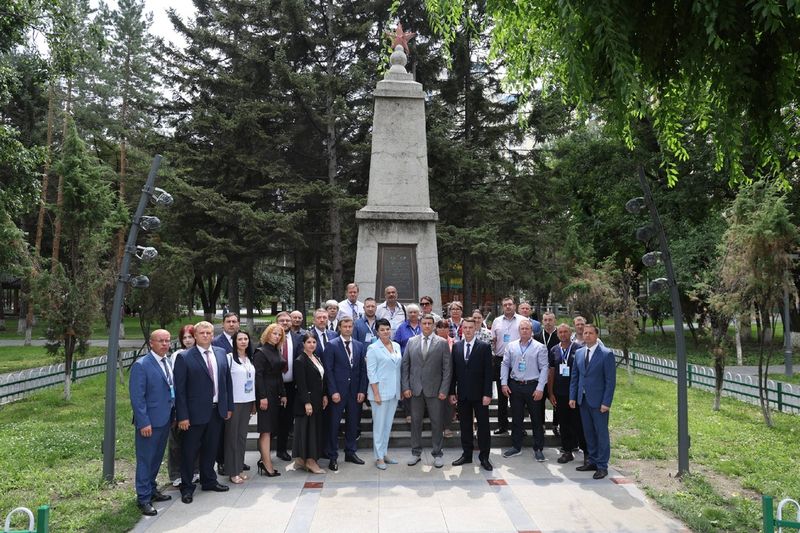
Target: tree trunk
x=299, y=284
x=737, y=328
x=317, y=281
x=249, y=291
x=234, y=305
x=60, y=189
x=466, y=282
x=332, y=149
x=69, y=353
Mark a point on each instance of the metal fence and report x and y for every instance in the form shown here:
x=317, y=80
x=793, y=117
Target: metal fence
x=783, y=397
x=17, y=385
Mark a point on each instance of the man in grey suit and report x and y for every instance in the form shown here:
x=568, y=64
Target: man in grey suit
x=425, y=380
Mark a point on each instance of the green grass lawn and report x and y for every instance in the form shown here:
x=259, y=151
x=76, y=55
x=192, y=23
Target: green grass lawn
x=50, y=454
x=778, y=376
x=132, y=328
x=13, y=358
x=733, y=447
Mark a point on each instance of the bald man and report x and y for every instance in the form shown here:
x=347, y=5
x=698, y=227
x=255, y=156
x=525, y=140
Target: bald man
x=152, y=394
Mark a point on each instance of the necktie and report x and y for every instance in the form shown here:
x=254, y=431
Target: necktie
x=166, y=370
x=330, y=326
x=425, y=346
x=355, y=314
x=285, y=356
x=466, y=355
x=349, y=353
x=588, y=356
x=323, y=339
x=211, y=370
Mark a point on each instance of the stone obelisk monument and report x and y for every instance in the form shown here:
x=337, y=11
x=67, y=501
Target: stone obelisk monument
x=397, y=227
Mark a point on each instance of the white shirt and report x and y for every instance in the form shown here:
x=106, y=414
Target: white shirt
x=213, y=358
x=288, y=376
x=504, y=331
x=323, y=339
x=241, y=374
x=395, y=318
x=346, y=310
x=161, y=365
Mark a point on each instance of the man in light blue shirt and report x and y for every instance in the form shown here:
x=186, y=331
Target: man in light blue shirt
x=523, y=376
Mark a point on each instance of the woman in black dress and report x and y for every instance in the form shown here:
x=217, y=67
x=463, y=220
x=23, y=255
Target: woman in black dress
x=311, y=399
x=270, y=393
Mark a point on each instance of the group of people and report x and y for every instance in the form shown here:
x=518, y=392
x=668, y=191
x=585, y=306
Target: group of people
x=303, y=383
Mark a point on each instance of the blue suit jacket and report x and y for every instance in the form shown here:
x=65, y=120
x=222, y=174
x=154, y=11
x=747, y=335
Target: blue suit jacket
x=361, y=330
x=194, y=389
x=330, y=335
x=599, y=380
x=149, y=393
x=222, y=341
x=340, y=377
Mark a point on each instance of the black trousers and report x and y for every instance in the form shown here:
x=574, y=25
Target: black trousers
x=286, y=418
x=522, y=399
x=571, y=427
x=202, y=439
x=466, y=409
x=502, y=401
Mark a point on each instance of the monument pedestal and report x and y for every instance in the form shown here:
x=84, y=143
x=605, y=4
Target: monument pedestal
x=397, y=227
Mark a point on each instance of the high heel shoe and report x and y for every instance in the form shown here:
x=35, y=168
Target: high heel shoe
x=264, y=472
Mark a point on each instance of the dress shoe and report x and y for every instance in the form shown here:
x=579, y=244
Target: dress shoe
x=486, y=465
x=414, y=459
x=566, y=457
x=438, y=462
x=353, y=458
x=160, y=497
x=147, y=509
x=389, y=461
x=500, y=432
x=586, y=468
x=283, y=456
x=462, y=460
x=333, y=466
x=380, y=465
x=511, y=452
x=245, y=467
x=186, y=498
x=600, y=474
x=220, y=469
x=217, y=487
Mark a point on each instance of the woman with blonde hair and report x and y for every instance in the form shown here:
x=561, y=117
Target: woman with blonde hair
x=270, y=392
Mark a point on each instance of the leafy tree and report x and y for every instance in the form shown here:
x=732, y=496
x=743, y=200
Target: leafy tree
x=708, y=66
x=755, y=261
x=69, y=293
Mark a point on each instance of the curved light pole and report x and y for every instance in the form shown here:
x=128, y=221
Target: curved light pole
x=635, y=206
x=140, y=282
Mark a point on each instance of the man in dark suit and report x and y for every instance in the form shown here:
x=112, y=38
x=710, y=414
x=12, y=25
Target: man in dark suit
x=471, y=390
x=425, y=381
x=591, y=386
x=364, y=329
x=230, y=325
x=203, y=401
x=292, y=347
x=152, y=396
x=346, y=375
x=321, y=332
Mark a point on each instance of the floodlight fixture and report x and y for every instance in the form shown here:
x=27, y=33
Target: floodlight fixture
x=635, y=206
x=161, y=197
x=149, y=223
x=645, y=233
x=139, y=282
x=146, y=253
x=651, y=259
x=658, y=284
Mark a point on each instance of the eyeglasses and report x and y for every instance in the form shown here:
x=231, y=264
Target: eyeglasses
x=426, y=303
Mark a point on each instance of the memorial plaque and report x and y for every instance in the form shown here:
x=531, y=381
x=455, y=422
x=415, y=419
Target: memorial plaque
x=397, y=266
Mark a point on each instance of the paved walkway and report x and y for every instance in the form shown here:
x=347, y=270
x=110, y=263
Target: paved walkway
x=520, y=495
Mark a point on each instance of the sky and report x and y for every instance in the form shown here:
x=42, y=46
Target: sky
x=162, y=27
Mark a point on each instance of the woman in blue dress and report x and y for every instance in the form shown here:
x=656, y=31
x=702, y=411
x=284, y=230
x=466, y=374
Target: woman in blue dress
x=383, y=372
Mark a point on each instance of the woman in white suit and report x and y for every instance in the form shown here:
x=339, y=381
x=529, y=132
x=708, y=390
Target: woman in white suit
x=383, y=372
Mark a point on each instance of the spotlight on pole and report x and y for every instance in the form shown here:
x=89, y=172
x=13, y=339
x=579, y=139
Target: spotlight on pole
x=146, y=253
x=635, y=206
x=161, y=197
x=658, y=284
x=149, y=223
x=645, y=233
x=651, y=259
x=139, y=282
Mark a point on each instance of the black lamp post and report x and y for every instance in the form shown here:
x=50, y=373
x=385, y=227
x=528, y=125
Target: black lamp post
x=635, y=206
x=147, y=223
